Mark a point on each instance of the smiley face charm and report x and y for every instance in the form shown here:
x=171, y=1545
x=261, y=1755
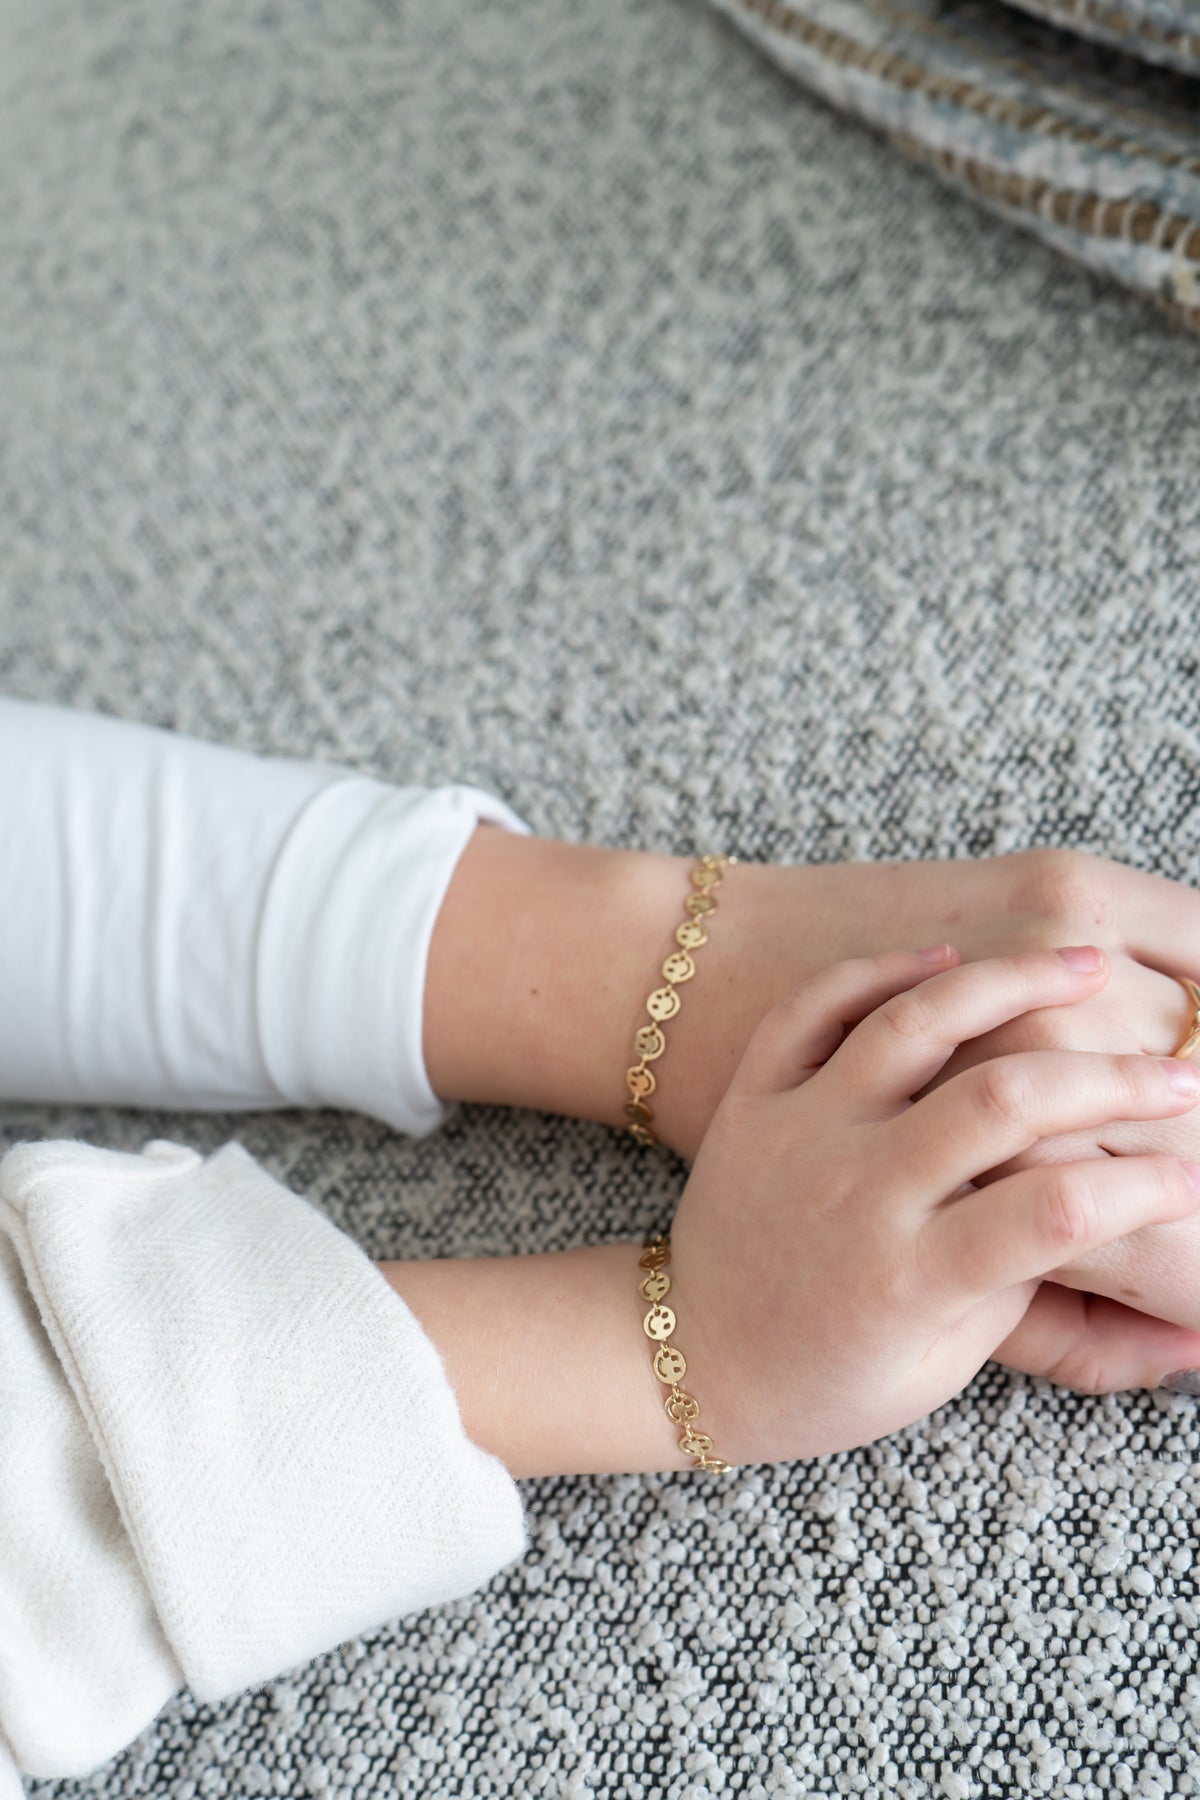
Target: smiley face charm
x=679, y=967
x=691, y=934
x=650, y=1043
x=640, y=1082
x=655, y=1285
x=663, y=1004
x=669, y=1365
x=681, y=1408
x=699, y=905
x=659, y=1322
x=695, y=1443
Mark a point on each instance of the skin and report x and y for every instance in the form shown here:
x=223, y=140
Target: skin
x=543, y=954
x=835, y=1272
x=540, y=959
x=861, y=1277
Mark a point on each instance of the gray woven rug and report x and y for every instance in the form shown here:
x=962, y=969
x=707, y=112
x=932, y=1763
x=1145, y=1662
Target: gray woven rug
x=555, y=396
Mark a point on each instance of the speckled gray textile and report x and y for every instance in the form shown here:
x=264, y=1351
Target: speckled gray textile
x=554, y=396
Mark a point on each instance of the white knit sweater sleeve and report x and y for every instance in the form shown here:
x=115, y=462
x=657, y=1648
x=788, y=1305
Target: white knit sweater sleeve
x=226, y=1444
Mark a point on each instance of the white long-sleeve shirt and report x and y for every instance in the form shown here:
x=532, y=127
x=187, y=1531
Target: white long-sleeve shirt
x=226, y=1444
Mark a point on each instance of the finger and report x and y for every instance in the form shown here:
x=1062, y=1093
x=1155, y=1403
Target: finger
x=1095, y=1345
x=994, y=1111
x=1028, y=1225
x=1130, y=1137
x=1159, y=1013
x=1157, y=1270
x=802, y=1032
x=1077, y=1146
x=1176, y=1136
x=905, y=1041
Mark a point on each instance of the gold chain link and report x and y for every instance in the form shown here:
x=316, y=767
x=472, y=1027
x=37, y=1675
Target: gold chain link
x=681, y=1407
x=664, y=1003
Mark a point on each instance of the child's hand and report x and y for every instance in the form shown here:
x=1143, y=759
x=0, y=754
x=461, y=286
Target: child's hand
x=834, y=1275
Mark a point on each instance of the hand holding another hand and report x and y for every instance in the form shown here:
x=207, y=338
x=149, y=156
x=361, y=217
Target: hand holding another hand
x=790, y=921
x=542, y=953
x=836, y=1272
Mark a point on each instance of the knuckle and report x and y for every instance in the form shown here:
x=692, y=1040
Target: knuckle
x=910, y=1017
x=1138, y=1081
x=741, y=1111
x=796, y=1002
x=1003, y=1093
x=1070, y=1210
x=1081, y=1369
x=1172, y=1184
x=1069, y=888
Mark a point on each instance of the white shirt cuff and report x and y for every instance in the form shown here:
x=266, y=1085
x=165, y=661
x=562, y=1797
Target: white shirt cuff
x=344, y=944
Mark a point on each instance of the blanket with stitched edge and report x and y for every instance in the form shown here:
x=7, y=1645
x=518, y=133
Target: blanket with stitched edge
x=1090, y=142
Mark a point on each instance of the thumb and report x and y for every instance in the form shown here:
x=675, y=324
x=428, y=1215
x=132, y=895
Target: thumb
x=1094, y=1345
x=804, y=1029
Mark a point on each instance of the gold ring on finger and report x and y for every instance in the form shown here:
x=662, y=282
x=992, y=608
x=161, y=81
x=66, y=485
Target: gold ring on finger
x=1193, y=1035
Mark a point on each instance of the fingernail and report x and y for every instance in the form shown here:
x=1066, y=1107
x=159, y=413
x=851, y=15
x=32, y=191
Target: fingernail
x=1181, y=1076
x=1192, y=1171
x=1183, y=1381
x=936, y=953
x=1083, y=957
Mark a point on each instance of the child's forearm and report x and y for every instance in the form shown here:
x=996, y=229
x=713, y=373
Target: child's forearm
x=541, y=961
x=543, y=954
x=547, y=1358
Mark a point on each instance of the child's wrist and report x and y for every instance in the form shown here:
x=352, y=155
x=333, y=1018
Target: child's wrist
x=546, y=1354
x=537, y=968
x=543, y=955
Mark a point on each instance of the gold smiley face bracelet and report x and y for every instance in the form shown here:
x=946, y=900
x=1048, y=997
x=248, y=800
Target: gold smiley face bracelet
x=663, y=1004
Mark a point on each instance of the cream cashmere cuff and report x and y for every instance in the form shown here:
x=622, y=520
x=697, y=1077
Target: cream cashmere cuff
x=226, y=1445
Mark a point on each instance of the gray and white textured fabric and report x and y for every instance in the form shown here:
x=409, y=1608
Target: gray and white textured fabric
x=558, y=398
